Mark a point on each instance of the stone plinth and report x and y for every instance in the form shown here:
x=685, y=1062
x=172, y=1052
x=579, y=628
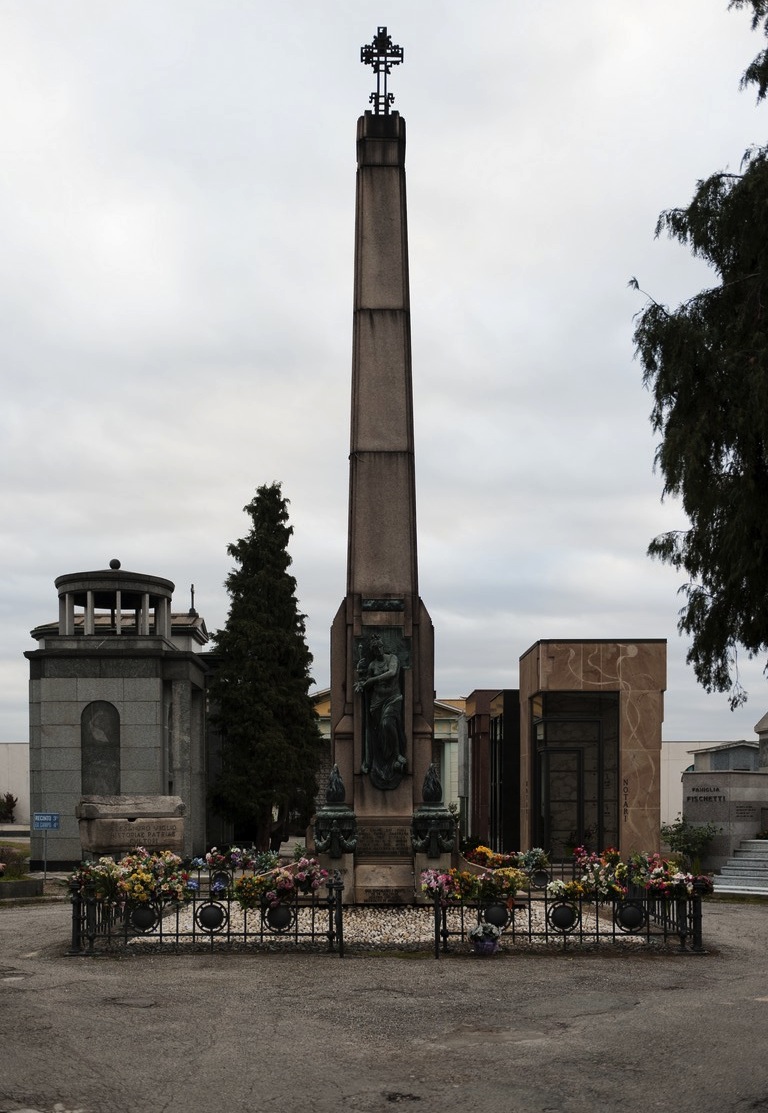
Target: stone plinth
x=385, y=882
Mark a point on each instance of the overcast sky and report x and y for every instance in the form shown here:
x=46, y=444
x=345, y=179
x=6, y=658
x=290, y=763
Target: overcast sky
x=176, y=220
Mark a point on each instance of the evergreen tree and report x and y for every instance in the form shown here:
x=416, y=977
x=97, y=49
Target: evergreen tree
x=271, y=744
x=706, y=364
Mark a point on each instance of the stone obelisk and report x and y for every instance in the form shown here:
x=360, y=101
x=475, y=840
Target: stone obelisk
x=382, y=655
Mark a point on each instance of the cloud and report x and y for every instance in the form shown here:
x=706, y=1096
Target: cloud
x=177, y=217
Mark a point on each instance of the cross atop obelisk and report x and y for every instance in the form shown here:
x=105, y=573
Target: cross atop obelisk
x=382, y=55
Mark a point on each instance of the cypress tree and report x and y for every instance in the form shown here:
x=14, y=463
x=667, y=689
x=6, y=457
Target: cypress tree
x=271, y=743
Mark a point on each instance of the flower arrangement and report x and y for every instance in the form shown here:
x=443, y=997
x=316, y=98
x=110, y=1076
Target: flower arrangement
x=501, y=884
x=138, y=878
x=483, y=931
x=534, y=859
x=607, y=875
x=461, y=885
x=490, y=859
x=439, y=884
x=568, y=892
x=279, y=885
x=527, y=860
x=465, y=885
x=308, y=875
x=603, y=876
x=664, y=882
x=236, y=858
x=250, y=890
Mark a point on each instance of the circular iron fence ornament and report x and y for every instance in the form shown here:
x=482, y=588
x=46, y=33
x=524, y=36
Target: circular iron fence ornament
x=539, y=879
x=630, y=916
x=211, y=917
x=279, y=918
x=144, y=917
x=496, y=914
x=563, y=917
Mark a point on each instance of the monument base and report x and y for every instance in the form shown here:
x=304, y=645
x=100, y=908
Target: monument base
x=346, y=867
x=384, y=881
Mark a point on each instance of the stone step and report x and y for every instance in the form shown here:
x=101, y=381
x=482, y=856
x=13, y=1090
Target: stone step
x=746, y=886
x=747, y=871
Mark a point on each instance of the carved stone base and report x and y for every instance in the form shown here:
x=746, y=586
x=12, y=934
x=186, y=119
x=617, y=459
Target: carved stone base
x=433, y=830
x=335, y=830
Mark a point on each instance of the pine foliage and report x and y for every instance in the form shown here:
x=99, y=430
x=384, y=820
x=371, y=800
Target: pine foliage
x=271, y=746
x=706, y=365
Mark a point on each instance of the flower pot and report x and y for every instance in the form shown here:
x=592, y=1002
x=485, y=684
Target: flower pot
x=563, y=917
x=485, y=946
x=143, y=917
x=279, y=918
x=211, y=917
x=496, y=914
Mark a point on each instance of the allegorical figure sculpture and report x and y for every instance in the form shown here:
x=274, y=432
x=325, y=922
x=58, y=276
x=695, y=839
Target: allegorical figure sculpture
x=383, y=735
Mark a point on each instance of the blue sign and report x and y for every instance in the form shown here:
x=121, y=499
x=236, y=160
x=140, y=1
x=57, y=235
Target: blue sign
x=45, y=821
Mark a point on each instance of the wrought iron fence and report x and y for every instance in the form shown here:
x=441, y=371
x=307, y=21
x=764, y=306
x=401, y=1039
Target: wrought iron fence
x=211, y=919
x=208, y=920
x=536, y=918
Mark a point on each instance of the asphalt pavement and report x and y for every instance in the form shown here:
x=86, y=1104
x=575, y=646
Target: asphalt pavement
x=313, y=1033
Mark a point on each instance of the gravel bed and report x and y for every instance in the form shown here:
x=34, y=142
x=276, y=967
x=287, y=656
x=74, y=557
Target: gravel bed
x=407, y=928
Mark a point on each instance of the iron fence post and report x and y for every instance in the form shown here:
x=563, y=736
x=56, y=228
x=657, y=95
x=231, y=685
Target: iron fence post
x=697, y=943
x=77, y=912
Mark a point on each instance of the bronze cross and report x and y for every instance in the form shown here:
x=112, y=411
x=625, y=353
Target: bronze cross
x=382, y=55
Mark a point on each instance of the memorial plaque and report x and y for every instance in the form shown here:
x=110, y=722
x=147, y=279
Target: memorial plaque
x=106, y=836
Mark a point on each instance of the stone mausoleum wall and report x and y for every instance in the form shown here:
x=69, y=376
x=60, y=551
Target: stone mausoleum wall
x=735, y=801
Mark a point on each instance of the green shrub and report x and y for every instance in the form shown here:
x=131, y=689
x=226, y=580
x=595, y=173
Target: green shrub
x=15, y=862
x=8, y=804
x=689, y=839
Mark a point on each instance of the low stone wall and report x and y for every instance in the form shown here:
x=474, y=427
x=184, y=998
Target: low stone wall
x=28, y=887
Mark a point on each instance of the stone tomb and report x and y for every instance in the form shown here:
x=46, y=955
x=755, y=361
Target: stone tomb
x=116, y=824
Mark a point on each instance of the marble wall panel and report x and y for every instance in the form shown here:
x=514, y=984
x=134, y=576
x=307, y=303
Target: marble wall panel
x=643, y=665
x=641, y=719
x=639, y=801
